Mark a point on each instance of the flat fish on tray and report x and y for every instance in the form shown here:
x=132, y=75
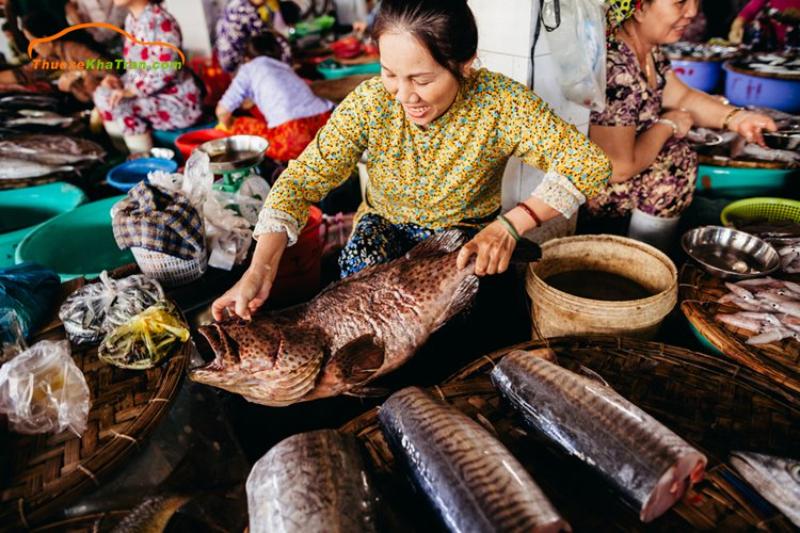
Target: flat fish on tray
x=312, y=482
x=471, y=479
x=51, y=149
x=12, y=168
x=356, y=330
x=648, y=463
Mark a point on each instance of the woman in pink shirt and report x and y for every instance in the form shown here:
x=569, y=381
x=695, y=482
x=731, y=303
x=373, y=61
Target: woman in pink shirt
x=750, y=11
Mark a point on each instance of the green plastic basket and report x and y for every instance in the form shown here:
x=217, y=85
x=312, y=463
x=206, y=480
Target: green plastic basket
x=770, y=209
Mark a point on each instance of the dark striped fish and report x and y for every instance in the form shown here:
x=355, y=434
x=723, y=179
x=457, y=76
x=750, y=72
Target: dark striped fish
x=311, y=482
x=473, y=481
x=649, y=463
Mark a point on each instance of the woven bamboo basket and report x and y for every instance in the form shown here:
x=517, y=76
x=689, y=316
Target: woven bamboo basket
x=779, y=361
x=716, y=405
x=48, y=471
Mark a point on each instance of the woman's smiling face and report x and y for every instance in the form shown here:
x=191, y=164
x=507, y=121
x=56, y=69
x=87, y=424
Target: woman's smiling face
x=425, y=88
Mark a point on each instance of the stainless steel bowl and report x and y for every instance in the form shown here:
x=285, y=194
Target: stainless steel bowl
x=729, y=253
x=234, y=153
x=783, y=140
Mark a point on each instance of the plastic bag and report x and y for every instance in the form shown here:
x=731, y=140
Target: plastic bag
x=95, y=309
x=42, y=390
x=578, y=45
x=29, y=290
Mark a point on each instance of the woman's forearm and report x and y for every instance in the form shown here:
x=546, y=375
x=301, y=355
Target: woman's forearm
x=269, y=249
x=706, y=110
x=645, y=151
x=523, y=222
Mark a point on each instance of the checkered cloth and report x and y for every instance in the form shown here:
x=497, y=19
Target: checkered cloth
x=159, y=221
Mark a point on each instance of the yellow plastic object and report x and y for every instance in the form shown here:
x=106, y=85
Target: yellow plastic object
x=769, y=209
x=146, y=339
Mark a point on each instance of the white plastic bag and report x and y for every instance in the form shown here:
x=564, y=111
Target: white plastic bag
x=42, y=390
x=578, y=45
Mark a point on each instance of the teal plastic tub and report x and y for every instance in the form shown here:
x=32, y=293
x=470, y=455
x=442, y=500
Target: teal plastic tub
x=78, y=243
x=735, y=182
x=333, y=70
x=24, y=209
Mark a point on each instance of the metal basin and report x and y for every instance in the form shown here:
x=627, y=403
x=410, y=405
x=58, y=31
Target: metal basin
x=234, y=153
x=783, y=140
x=730, y=254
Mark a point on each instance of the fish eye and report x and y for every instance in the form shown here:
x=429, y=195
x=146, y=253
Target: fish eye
x=794, y=472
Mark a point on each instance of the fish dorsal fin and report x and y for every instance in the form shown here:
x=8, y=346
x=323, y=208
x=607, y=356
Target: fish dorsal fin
x=594, y=376
x=358, y=360
x=441, y=243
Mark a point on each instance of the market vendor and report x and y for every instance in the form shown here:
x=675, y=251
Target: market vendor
x=163, y=98
x=754, y=8
x=649, y=111
x=72, y=48
x=292, y=114
x=239, y=21
x=438, y=136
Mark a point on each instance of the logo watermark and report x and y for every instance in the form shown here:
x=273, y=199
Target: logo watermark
x=103, y=64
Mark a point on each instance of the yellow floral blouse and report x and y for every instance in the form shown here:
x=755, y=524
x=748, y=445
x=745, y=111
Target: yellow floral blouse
x=444, y=174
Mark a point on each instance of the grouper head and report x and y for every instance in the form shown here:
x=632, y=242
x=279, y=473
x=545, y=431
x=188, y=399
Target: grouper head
x=266, y=360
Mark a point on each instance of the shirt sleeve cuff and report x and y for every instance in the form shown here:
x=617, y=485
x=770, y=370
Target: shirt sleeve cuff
x=275, y=221
x=559, y=193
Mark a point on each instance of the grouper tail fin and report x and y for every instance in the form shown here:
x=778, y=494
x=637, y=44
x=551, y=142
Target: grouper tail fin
x=526, y=252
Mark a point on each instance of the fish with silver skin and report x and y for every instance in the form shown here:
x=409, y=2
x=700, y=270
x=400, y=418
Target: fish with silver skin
x=775, y=478
x=646, y=461
x=471, y=479
x=311, y=482
x=356, y=330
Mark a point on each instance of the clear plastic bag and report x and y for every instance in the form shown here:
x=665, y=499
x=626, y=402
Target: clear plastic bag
x=42, y=390
x=578, y=43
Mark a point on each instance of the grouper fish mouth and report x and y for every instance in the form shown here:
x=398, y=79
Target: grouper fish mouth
x=354, y=331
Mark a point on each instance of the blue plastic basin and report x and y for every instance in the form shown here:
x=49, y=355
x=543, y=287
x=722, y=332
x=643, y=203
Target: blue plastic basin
x=78, y=243
x=125, y=176
x=762, y=91
x=701, y=75
x=24, y=209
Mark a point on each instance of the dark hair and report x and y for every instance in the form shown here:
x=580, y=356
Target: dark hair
x=446, y=28
x=42, y=24
x=268, y=43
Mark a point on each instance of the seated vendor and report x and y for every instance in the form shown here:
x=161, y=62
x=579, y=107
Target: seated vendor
x=156, y=92
x=649, y=111
x=438, y=136
x=292, y=113
x=755, y=8
x=72, y=48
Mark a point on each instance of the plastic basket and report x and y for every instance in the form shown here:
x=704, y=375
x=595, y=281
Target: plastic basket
x=771, y=209
x=170, y=270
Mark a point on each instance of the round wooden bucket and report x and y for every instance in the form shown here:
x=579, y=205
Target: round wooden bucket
x=556, y=313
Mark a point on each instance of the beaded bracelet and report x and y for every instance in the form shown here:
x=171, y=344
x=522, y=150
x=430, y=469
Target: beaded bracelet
x=509, y=226
x=531, y=213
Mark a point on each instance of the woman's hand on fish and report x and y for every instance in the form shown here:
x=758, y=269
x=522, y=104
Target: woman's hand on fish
x=750, y=125
x=253, y=289
x=492, y=247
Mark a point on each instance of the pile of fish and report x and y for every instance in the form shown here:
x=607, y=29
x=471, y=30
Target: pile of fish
x=471, y=479
x=783, y=236
x=701, y=51
x=34, y=155
x=35, y=118
x=356, y=330
x=777, y=479
x=770, y=309
x=771, y=63
x=648, y=463
x=97, y=308
x=312, y=482
x=725, y=145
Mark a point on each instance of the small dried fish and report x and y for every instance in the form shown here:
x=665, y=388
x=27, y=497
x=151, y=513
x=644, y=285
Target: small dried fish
x=771, y=309
x=12, y=168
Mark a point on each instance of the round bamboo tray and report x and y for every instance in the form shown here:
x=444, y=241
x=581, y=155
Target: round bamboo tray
x=48, y=471
x=716, y=405
x=778, y=361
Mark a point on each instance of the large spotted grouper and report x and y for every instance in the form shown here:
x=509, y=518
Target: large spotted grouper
x=356, y=330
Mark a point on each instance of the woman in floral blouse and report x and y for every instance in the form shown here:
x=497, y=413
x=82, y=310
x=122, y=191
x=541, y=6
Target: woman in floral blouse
x=649, y=110
x=438, y=136
x=154, y=97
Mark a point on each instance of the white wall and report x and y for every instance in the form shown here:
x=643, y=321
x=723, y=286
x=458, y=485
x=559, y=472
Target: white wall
x=505, y=39
x=197, y=19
